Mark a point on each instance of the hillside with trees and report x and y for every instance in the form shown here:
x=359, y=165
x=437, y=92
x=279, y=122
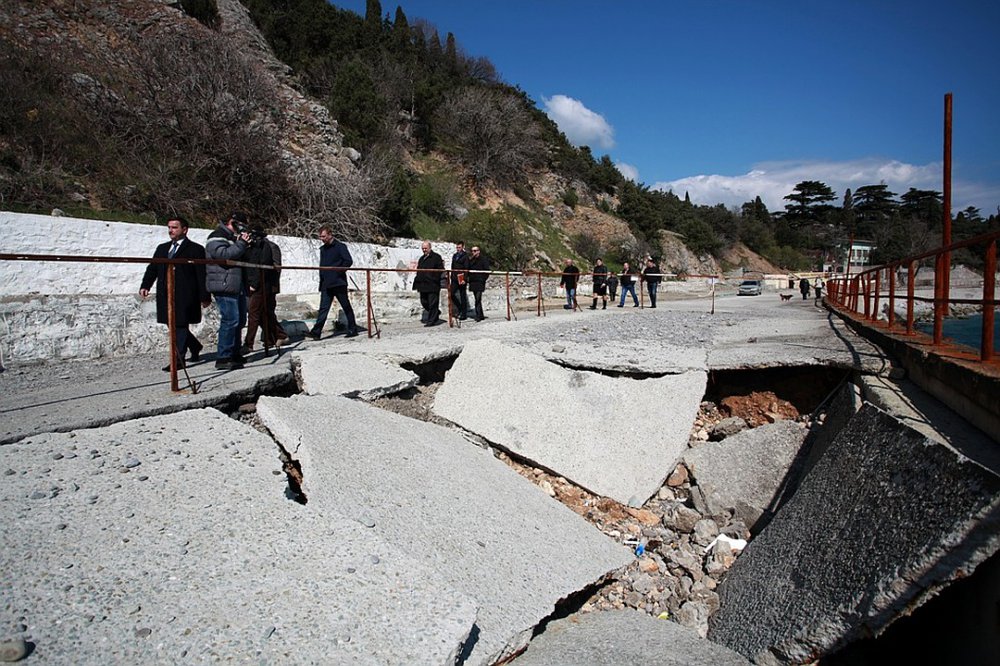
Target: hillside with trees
x=305, y=113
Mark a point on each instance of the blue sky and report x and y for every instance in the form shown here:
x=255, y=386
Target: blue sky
x=728, y=99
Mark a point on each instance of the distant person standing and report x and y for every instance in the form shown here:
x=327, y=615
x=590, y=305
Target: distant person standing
x=190, y=295
x=804, y=288
x=459, y=288
x=570, y=276
x=651, y=275
x=600, y=284
x=612, y=287
x=229, y=241
x=427, y=282
x=477, y=280
x=818, y=287
x=333, y=284
x=628, y=286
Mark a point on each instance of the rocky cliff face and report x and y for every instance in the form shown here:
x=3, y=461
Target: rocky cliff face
x=155, y=91
x=103, y=42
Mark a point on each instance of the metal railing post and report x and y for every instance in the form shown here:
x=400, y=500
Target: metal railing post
x=911, y=275
x=989, y=293
x=172, y=328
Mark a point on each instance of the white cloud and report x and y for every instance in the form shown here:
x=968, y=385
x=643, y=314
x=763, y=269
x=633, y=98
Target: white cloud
x=581, y=126
x=630, y=172
x=772, y=181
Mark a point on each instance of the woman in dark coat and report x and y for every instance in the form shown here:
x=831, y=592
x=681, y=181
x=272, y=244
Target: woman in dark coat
x=190, y=294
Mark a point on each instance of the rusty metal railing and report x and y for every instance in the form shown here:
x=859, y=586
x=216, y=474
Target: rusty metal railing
x=373, y=329
x=861, y=294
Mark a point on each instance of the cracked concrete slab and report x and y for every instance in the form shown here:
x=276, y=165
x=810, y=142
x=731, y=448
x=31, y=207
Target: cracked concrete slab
x=623, y=637
x=627, y=357
x=490, y=533
x=170, y=540
x=581, y=425
x=748, y=469
x=75, y=395
x=884, y=520
x=352, y=374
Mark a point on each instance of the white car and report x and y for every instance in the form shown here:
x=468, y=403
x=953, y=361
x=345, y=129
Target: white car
x=751, y=288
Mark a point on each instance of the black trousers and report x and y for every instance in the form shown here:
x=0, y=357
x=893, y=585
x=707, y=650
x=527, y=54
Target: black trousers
x=460, y=297
x=478, y=295
x=430, y=301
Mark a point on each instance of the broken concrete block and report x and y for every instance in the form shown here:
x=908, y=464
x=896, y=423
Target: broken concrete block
x=352, y=374
x=170, y=539
x=881, y=523
x=582, y=425
x=622, y=637
x=747, y=468
x=488, y=532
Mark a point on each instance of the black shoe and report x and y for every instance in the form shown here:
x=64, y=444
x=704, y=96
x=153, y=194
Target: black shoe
x=228, y=364
x=351, y=334
x=621, y=306
x=246, y=349
x=463, y=317
x=436, y=322
x=312, y=336
x=180, y=366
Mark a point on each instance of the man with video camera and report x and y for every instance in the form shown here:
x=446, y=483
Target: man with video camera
x=229, y=241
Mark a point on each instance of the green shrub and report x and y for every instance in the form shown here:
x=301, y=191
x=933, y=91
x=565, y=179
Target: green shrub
x=570, y=198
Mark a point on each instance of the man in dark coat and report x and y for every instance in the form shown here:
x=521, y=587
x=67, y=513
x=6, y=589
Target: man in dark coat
x=652, y=277
x=570, y=275
x=459, y=288
x=600, y=285
x=477, y=280
x=190, y=295
x=427, y=283
x=804, y=288
x=333, y=284
x=263, y=285
x=628, y=286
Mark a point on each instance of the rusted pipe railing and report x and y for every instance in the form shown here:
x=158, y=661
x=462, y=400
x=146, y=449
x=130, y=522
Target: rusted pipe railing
x=844, y=293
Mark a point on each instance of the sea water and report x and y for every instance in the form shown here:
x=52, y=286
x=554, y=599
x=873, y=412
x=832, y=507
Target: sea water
x=966, y=331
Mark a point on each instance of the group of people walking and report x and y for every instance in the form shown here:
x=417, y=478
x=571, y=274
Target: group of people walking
x=606, y=283
x=468, y=272
x=245, y=296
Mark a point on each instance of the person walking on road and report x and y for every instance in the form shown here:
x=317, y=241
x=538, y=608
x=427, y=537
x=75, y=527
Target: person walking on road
x=804, y=288
x=818, y=288
x=628, y=286
x=570, y=276
x=459, y=278
x=190, y=295
x=477, y=280
x=333, y=284
x=229, y=241
x=427, y=282
x=651, y=275
x=263, y=285
x=600, y=284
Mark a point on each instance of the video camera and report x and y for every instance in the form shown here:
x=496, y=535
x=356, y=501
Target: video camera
x=256, y=235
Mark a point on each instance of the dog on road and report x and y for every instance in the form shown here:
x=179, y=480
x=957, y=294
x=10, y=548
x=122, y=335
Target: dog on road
x=785, y=297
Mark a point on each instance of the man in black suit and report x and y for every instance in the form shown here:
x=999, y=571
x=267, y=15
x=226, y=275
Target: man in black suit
x=459, y=288
x=190, y=295
x=427, y=283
